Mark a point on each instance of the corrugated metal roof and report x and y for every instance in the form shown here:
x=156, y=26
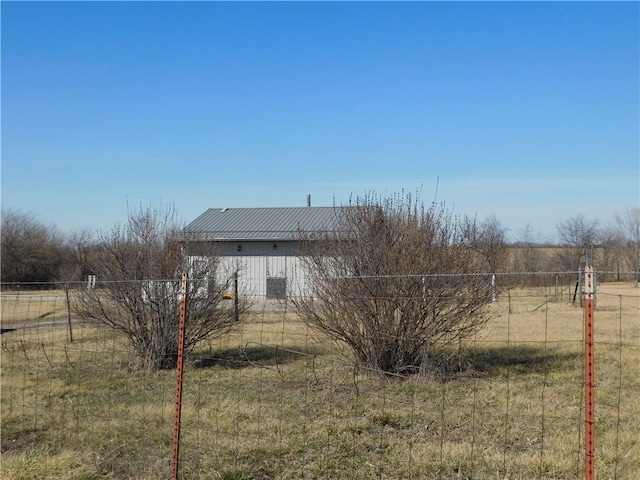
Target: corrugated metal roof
x=263, y=223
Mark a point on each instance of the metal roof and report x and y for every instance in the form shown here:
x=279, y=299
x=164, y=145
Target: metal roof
x=284, y=223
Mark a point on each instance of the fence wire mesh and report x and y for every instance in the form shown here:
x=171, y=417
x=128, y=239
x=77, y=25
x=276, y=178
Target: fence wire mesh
x=274, y=399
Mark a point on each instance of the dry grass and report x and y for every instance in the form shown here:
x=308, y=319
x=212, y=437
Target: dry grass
x=273, y=400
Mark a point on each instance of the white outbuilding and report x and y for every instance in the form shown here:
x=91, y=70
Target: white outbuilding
x=264, y=241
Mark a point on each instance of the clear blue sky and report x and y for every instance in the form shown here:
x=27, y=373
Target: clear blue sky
x=525, y=111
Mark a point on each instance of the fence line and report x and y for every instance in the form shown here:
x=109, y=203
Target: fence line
x=274, y=399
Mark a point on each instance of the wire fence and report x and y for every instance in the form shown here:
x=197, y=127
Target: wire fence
x=274, y=399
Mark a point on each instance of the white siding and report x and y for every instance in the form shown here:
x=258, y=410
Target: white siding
x=254, y=271
x=277, y=266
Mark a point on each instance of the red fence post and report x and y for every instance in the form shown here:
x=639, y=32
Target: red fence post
x=179, y=377
x=589, y=375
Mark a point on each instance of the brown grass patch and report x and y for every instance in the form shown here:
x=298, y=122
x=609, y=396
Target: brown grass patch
x=274, y=401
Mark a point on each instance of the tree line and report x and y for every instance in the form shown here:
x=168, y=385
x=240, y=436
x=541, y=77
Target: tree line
x=33, y=252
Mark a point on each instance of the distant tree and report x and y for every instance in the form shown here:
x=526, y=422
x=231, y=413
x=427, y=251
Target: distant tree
x=627, y=225
x=78, y=245
x=398, y=283
x=609, y=255
x=529, y=255
x=492, y=244
x=138, y=266
x=528, y=258
x=31, y=251
x=577, y=236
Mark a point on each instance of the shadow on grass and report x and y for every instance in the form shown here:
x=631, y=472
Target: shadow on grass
x=250, y=356
x=476, y=361
x=519, y=359
x=16, y=437
x=499, y=360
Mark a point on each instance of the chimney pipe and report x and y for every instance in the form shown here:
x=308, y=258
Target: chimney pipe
x=308, y=200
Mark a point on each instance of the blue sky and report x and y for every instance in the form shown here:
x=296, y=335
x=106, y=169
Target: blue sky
x=526, y=111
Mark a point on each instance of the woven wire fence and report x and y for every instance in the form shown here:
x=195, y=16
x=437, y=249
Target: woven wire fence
x=274, y=399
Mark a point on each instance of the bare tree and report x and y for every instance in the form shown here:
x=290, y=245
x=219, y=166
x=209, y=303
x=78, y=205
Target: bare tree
x=492, y=244
x=80, y=244
x=31, y=251
x=577, y=235
x=610, y=255
x=398, y=283
x=138, y=293
x=527, y=257
x=627, y=225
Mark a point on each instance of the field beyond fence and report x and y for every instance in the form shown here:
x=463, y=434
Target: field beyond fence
x=277, y=400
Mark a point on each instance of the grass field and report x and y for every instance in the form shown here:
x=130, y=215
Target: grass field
x=275, y=400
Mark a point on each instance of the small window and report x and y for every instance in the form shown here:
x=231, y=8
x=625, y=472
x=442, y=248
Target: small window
x=276, y=287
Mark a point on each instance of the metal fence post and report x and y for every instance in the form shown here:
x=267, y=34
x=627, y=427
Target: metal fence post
x=589, y=374
x=66, y=292
x=179, y=377
x=235, y=297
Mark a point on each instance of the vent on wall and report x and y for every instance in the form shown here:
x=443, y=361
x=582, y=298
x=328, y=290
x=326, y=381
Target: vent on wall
x=276, y=287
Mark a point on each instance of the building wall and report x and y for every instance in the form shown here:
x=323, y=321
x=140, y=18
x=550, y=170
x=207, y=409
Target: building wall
x=263, y=276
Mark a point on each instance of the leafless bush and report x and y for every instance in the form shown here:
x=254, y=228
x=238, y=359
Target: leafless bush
x=397, y=283
x=138, y=292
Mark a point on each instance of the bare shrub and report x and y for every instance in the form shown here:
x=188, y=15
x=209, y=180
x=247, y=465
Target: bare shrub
x=138, y=292
x=398, y=283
